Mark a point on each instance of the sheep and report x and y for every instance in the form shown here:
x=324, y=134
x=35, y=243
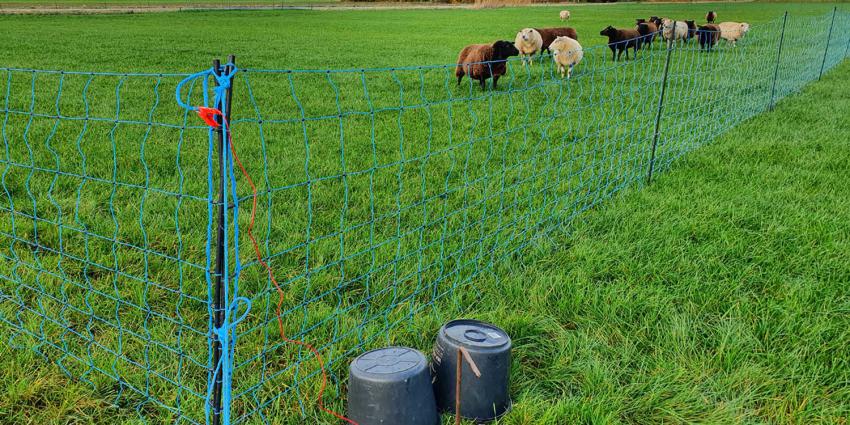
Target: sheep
x=550, y=34
x=566, y=53
x=710, y=17
x=621, y=39
x=708, y=35
x=647, y=30
x=482, y=61
x=671, y=34
x=528, y=42
x=565, y=14
x=692, y=30
x=733, y=31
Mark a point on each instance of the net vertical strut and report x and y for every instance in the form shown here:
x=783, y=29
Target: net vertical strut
x=670, y=45
x=828, y=39
x=778, y=60
x=218, y=295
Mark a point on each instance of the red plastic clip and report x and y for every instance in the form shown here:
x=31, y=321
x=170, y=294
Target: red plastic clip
x=208, y=115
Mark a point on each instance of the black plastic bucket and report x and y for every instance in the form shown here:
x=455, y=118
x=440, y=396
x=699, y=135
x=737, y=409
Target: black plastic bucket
x=391, y=386
x=483, y=398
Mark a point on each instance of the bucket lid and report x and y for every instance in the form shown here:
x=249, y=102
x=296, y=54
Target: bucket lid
x=389, y=361
x=475, y=333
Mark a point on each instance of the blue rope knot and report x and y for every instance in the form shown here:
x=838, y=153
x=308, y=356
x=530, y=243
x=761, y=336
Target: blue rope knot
x=224, y=365
x=222, y=332
x=224, y=82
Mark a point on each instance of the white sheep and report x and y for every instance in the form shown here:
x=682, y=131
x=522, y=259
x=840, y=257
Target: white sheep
x=566, y=53
x=565, y=14
x=670, y=34
x=733, y=31
x=528, y=42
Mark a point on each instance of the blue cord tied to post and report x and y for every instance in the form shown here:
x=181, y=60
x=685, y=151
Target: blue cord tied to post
x=225, y=333
x=223, y=80
x=225, y=362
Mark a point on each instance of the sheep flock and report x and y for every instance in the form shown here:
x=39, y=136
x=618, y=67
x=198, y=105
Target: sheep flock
x=488, y=61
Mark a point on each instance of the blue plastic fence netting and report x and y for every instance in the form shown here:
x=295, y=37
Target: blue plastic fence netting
x=383, y=194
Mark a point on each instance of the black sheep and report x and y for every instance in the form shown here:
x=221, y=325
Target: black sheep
x=708, y=35
x=621, y=39
x=692, y=30
x=710, y=17
x=656, y=20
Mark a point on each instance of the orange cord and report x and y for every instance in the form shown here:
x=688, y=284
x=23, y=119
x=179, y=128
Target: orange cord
x=319, y=400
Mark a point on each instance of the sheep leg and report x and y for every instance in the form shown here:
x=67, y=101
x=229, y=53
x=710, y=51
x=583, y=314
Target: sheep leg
x=483, y=84
x=495, y=81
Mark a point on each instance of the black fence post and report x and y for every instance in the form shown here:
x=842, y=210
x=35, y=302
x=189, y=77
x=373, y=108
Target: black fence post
x=670, y=45
x=828, y=39
x=778, y=60
x=224, y=105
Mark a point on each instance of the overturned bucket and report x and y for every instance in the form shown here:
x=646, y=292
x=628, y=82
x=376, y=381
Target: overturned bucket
x=484, y=352
x=391, y=386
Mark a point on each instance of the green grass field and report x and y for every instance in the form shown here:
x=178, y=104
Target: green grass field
x=186, y=42
x=712, y=296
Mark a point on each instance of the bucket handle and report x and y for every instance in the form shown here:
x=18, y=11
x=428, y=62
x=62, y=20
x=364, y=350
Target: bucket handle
x=463, y=355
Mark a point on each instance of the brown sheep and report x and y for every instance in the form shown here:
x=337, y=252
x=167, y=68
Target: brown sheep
x=482, y=61
x=710, y=17
x=648, y=30
x=708, y=35
x=550, y=34
x=621, y=39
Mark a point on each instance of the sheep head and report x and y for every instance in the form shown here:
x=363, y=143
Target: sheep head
x=503, y=49
x=527, y=34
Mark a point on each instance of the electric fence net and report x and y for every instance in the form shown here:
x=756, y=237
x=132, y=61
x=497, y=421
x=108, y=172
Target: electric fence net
x=381, y=195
